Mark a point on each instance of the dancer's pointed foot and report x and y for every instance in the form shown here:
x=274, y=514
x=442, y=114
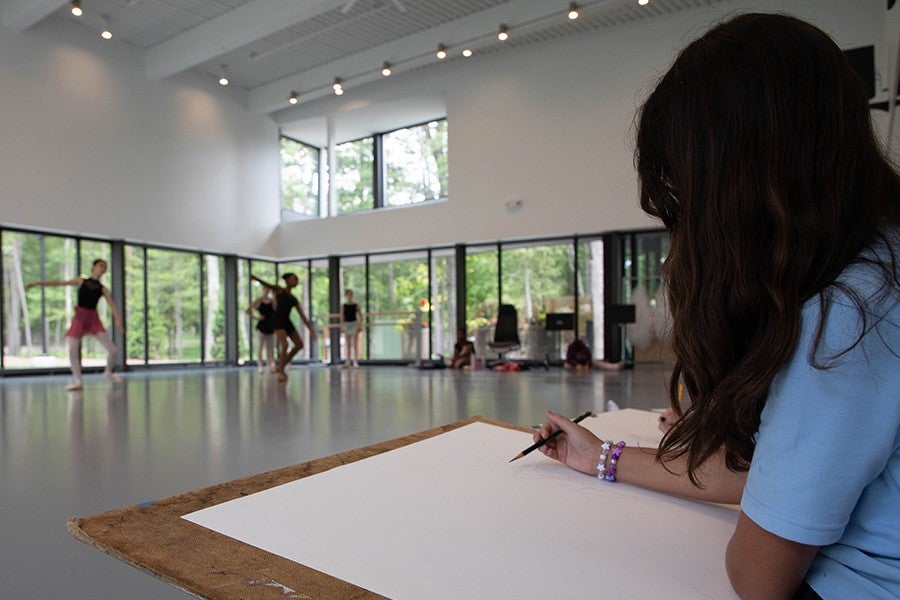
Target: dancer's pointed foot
x=282, y=376
x=72, y=387
x=113, y=377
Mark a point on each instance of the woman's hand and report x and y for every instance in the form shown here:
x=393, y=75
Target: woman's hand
x=575, y=447
x=667, y=420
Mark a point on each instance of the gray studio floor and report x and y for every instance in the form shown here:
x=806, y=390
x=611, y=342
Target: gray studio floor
x=65, y=454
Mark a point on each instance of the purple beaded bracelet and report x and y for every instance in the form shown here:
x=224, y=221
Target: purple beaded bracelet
x=613, y=459
x=601, y=466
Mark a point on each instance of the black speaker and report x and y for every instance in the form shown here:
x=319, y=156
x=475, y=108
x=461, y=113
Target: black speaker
x=620, y=313
x=863, y=62
x=559, y=322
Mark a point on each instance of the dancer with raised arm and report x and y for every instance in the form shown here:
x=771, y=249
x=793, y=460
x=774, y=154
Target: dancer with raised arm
x=284, y=329
x=86, y=320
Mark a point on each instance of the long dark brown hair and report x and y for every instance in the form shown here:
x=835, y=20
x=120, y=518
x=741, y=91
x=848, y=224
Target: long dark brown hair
x=757, y=153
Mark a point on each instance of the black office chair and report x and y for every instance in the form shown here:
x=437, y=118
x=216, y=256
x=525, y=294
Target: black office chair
x=506, y=332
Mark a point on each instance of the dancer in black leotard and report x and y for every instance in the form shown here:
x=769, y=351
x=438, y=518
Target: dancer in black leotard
x=86, y=320
x=351, y=321
x=281, y=318
x=265, y=327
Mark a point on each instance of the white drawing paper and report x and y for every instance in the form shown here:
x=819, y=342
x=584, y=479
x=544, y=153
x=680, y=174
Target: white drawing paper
x=450, y=517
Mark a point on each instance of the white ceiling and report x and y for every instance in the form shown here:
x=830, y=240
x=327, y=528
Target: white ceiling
x=282, y=43
x=270, y=48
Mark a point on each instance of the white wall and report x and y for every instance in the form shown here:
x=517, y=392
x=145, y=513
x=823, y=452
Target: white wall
x=89, y=145
x=548, y=124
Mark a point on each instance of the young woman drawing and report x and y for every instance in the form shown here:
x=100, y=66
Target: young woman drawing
x=756, y=152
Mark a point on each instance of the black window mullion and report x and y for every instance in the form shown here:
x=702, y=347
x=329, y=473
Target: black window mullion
x=200, y=258
x=499, y=275
x=575, y=281
x=430, y=306
x=379, y=170
x=146, y=310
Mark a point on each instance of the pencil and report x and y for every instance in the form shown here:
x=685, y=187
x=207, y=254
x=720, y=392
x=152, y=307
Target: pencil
x=537, y=445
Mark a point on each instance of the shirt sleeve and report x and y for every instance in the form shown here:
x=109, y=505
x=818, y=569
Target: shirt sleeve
x=826, y=434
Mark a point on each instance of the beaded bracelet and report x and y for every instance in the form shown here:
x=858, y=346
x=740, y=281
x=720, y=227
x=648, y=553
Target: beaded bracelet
x=601, y=466
x=613, y=459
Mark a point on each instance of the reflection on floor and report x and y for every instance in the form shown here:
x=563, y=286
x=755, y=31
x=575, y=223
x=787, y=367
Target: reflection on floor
x=66, y=454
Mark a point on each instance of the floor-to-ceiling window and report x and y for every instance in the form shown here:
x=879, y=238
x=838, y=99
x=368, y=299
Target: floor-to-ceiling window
x=245, y=324
x=353, y=277
x=398, y=305
x=645, y=254
x=482, y=293
x=35, y=320
x=213, y=308
x=248, y=292
x=443, y=301
x=135, y=305
x=590, y=294
x=173, y=314
x=318, y=306
x=301, y=293
x=93, y=354
x=538, y=278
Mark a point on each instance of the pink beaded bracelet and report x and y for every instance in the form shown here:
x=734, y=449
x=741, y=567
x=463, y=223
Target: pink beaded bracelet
x=613, y=459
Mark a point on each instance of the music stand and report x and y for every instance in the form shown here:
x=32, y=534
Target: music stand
x=559, y=322
x=620, y=314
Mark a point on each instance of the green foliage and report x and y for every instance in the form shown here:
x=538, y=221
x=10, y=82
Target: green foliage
x=416, y=164
x=536, y=276
x=354, y=176
x=536, y=279
x=481, y=284
x=416, y=170
x=299, y=177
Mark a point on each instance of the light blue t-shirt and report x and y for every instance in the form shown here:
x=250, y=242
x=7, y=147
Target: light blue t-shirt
x=826, y=469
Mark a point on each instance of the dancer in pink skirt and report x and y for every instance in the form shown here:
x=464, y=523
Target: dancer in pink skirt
x=86, y=320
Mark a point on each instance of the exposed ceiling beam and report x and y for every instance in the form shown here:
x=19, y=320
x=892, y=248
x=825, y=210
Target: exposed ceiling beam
x=22, y=14
x=234, y=29
x=405, y=53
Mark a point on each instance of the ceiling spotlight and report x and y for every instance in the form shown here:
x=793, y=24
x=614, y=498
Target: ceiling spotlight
x=76, y=8
x=573, y=11
x=338, y=86
x=293, y=99
x=223, y=76
x=386, y=69
x=467, y=52
x=503, y=34
x=643, y=2
x=441, y=52
x=106, y=34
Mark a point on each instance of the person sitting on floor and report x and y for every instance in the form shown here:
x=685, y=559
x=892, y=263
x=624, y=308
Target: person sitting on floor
x=463, y=350
x=580, y=360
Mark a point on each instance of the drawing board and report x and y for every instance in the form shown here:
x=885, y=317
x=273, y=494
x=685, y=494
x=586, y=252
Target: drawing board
x=450, y=517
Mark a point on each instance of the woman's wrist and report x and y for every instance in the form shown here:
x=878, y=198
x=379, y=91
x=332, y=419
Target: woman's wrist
x=608, y=461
